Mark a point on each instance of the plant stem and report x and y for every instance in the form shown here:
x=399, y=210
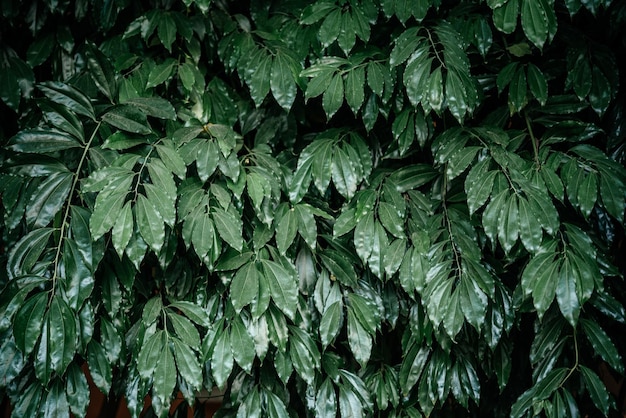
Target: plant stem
x=68, y=206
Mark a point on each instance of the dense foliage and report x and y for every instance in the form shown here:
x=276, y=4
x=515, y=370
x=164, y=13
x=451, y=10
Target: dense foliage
x=354, y=207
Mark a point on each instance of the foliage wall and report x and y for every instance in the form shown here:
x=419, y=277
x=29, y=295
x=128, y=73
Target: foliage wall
x=334, y=208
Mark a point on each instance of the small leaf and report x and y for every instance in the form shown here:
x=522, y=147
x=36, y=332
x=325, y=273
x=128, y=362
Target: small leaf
x=286, y=229
x=153, y=106
x=127, y=118
x=160, y=73
x=354, y=84
x=535, y=20
x=100, y=368
x=122, y=229
x=28, y=321
x=101, y=71
x=68, y=96
x=282, y=82
x=222, y=360
x=602, y=344
x=242, y=345
x=333, y=96
x=187, y=364
x=150, y=223
x=566, y=293
x=184, y=330
x=537, y=83
x=42, y=141
x=9, y=89
x=164, y=377
x=229, y=227
x=597, y=390
x=331, y=322
x=283, y=287
x=244, y=287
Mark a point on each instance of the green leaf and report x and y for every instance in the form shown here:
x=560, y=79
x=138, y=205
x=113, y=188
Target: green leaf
x=185, y=330
x=187, y=363
x=150, y=354
x=77, y=390
x=435, y=90
x=101, y=71
x=151, y=311
x=222, y=360
x=404, y=46
x=354, y=84
x=363, y=233
x=56, y=401
x=529, y=227
x=275, y=406
x=587, y=193
x=48, y=199
x=42, y=141
x=164, y=377
x=597, y=389
x=127, y=118
x=25, y=254
x=259, y=79
x=111, y=340
x=319, y=84
x=100, y=368
x=535, y=20
x=359, y=339
x=343, y=174
x=192, y=311
x=602, y=344
x=153, y=106
x=505, y=16
x=9, y=89
x=326, y=400
x=244, y=287
x=347, y=35
x=69, y=97
x=39, y=50
x=566, y=293
x=166, y=30
x=62, y=118
x=78, y=280
x=282, y=82
x=333, y=96
x=537, y=83
x=28, y=321
x=307, y=226
x=229, y=227
x=304, y=354
x=161, y=72
x=349, y=404
x=186, y=75
x=331, y=322
x=283, y=286
x=412, y=177
x=340, y=268
x=242, y=345
x=150, y=223
x=122, y=229
x=517, y=91
x=330, y=28
x=393, y=256
x=286, y=229
x=600, y=94
x=108, y=207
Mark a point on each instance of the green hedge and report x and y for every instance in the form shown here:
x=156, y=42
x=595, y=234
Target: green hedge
x=335, y=208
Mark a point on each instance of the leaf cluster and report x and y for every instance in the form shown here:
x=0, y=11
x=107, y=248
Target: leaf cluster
x=340, y=208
